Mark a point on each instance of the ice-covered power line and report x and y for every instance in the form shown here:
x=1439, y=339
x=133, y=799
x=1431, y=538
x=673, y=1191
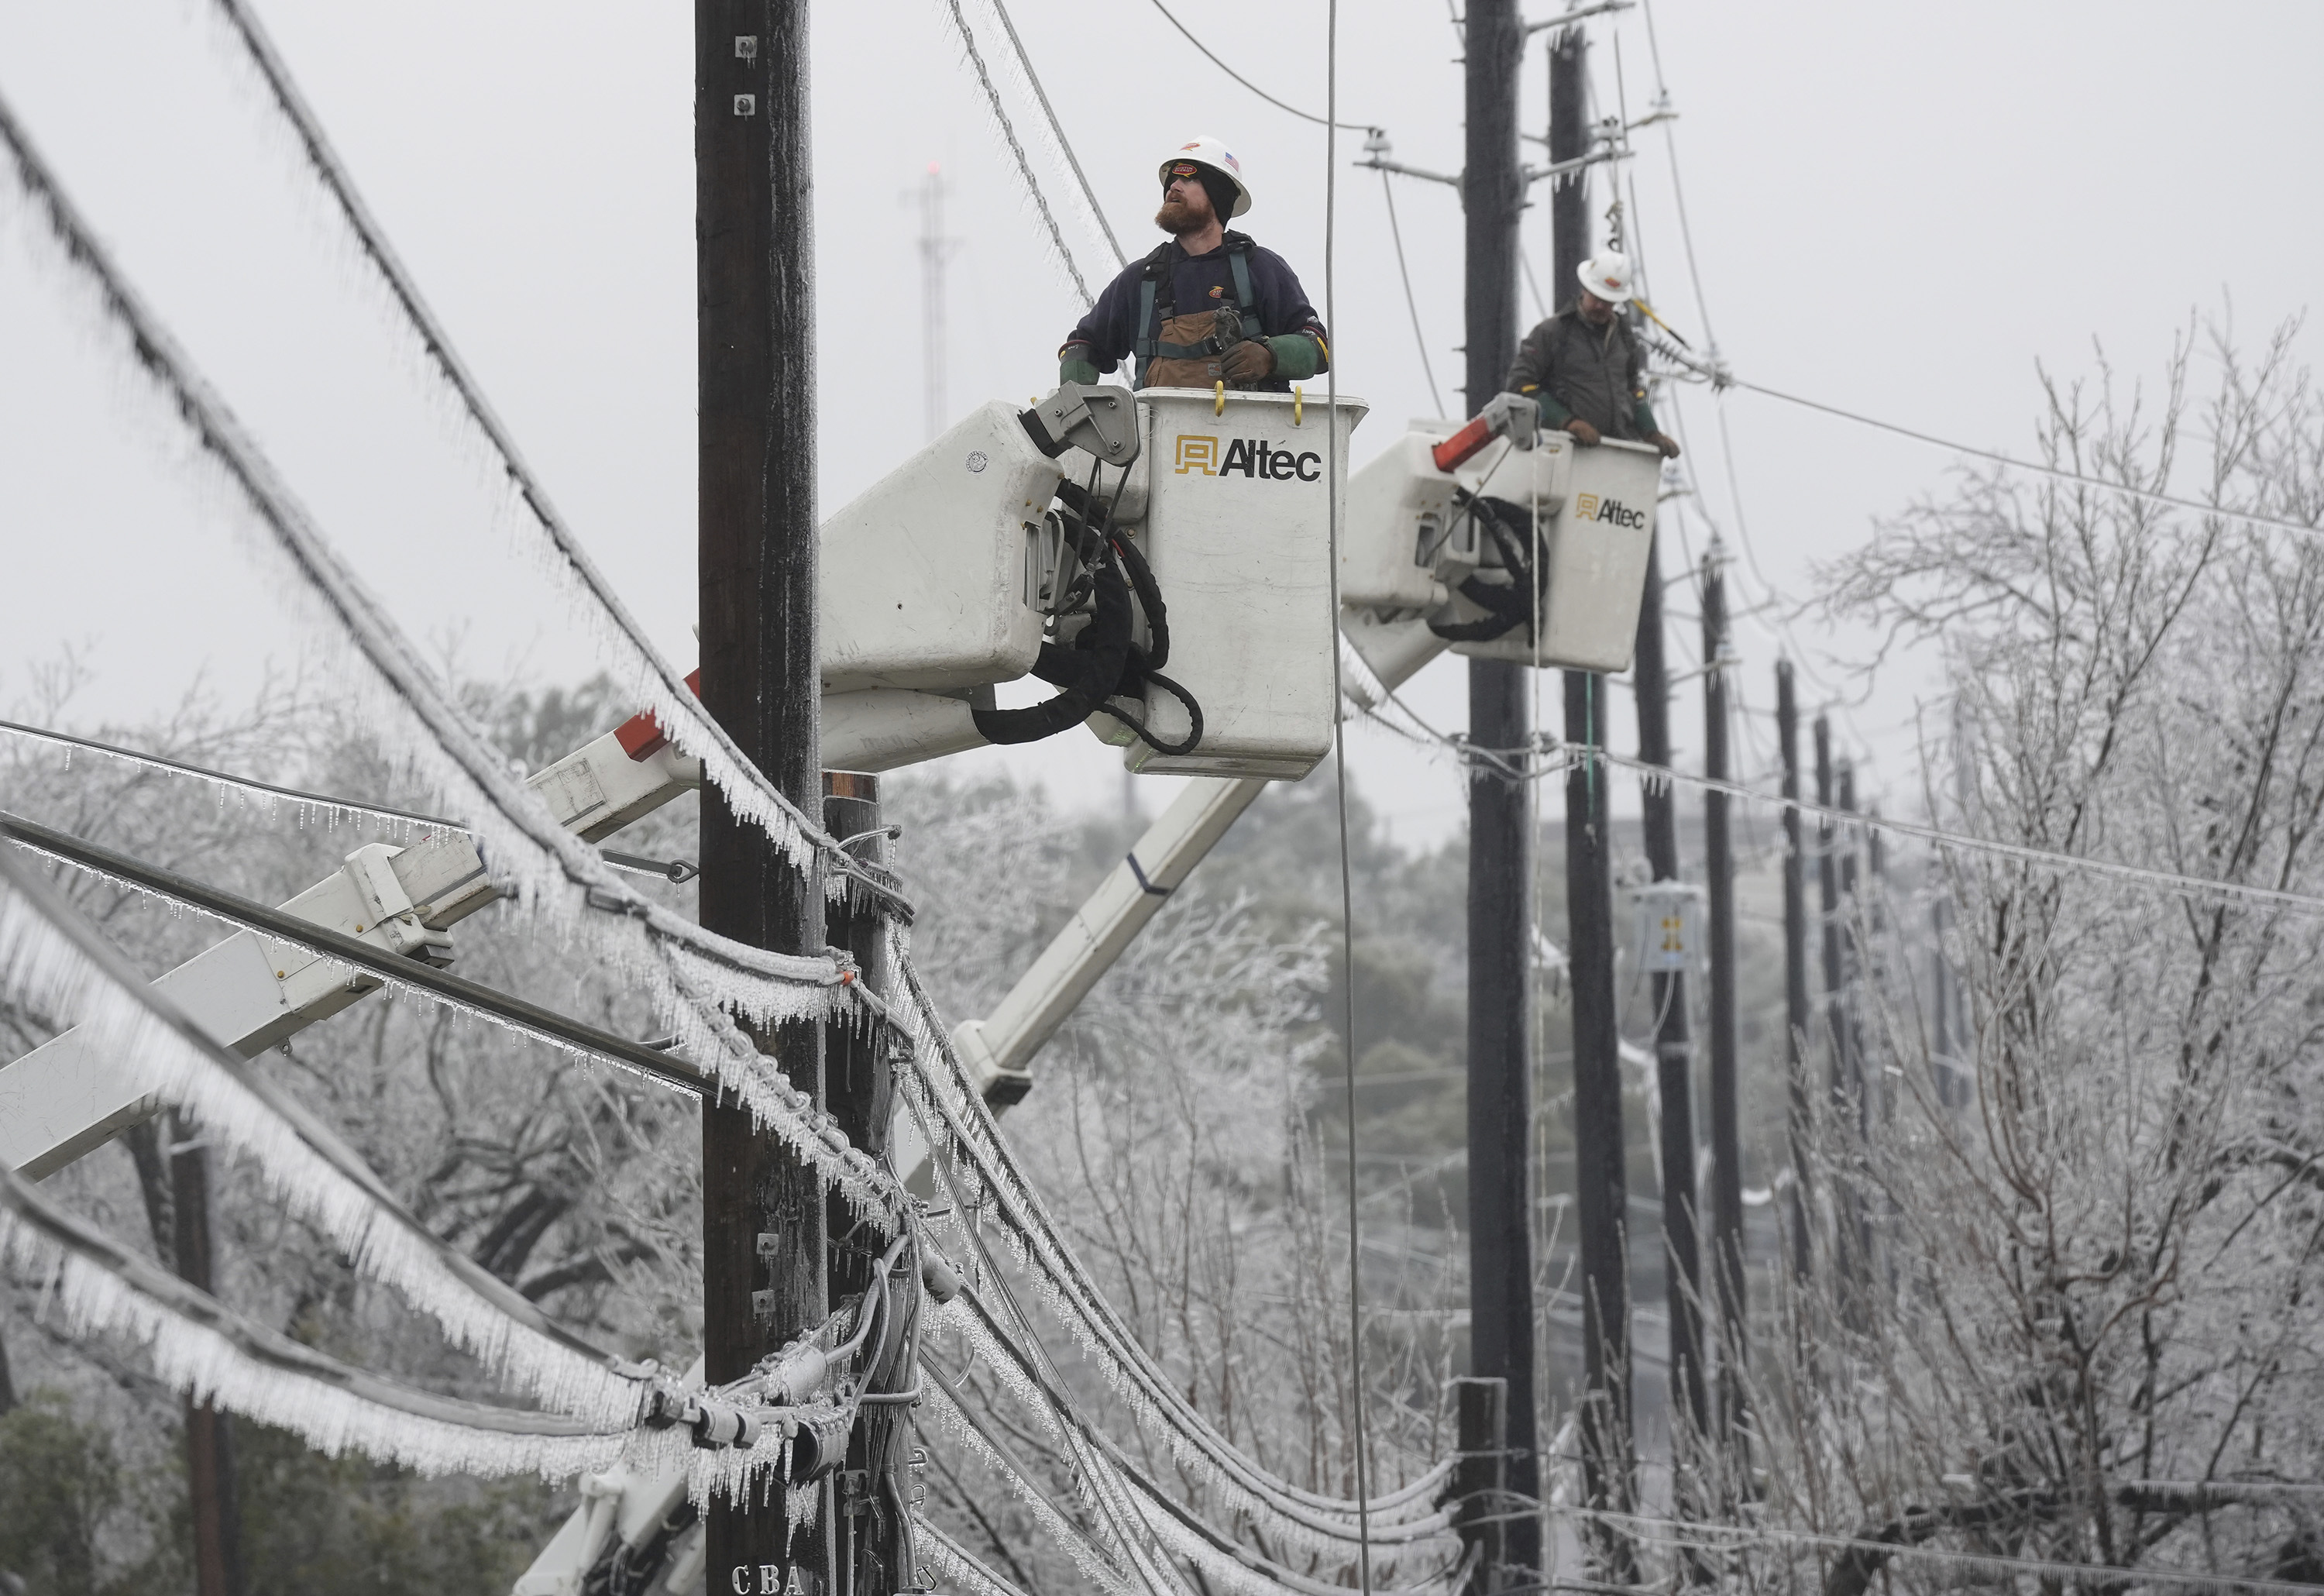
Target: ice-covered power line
x=1025, y=171
x=52, y=955
x=621, y=639
x=1559, y=756
x=214, y=1354
x=329, y=807
x=946, y=1098
x=698, y=980
x=1065, y=146
x=406, y=976
x=2035, y=469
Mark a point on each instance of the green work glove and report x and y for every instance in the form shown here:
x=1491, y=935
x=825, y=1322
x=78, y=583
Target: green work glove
x=1076, y=368
x=1298, y=356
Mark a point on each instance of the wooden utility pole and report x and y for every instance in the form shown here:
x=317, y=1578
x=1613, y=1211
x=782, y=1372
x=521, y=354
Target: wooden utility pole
x=1856, y=1204
x=1796, y=1020
x=1601, y=1189
x=209, y=1433
x=1838, y=1069
x=1481, y=1478
x=1726, y=1122
x=860, y=1084
x=1500, y=846
x=1673, y=1051
x=754, y=245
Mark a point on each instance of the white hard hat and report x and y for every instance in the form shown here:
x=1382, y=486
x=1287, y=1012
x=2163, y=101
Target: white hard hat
x=1608, y=276
x=1211, y=152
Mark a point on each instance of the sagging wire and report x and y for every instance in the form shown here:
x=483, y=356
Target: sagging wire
x=1332, y=501
x=696, y=975
x=1075, y=1297
x=1564, y=754
x=243, y=784
x=1328, y=121
x=1064, y=1417
x=1937, y=836
x=1411, y=303
x=48, y=943
x=2052, y=473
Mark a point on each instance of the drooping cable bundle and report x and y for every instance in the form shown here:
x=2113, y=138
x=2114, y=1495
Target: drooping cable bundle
x=961, y=1124
x=52, y=958
x=697, y=982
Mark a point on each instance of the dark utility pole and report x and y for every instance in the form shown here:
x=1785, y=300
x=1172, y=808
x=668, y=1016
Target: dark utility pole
x=1796, y=1020
x=1855, y=1195
x=1481, y=1478
x=860, y=1084
x=754, y=260
x=209, y=1433
x=1673, y=1053
x=1601, y=1192
x=1726, y=1126
x=1838, y=1070
x=1500, y=850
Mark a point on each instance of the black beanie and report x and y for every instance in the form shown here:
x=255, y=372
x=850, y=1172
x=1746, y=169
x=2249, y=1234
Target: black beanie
x=1222, y=192
x=1216, y=183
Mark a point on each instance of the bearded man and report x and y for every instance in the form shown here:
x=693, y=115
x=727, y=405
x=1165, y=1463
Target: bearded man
x=1208, y=307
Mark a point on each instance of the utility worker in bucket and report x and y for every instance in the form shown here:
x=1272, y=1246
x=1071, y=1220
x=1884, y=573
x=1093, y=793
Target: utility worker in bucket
x=1583, y=368
x=1208, y=307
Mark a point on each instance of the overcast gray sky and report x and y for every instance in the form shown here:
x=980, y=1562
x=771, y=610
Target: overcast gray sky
x=1900, y=210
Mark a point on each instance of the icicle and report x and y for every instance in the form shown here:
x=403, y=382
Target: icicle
x=211, y=1354
x=307, y=1168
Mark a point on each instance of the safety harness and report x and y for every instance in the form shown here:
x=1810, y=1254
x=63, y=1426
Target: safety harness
x=1157, y=303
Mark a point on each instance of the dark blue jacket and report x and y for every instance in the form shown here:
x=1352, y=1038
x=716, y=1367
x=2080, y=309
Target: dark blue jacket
x=1111, y=331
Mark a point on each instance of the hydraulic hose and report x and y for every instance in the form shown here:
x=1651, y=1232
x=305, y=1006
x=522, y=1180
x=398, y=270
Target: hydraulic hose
x=1506, y=607
x=1087, y=669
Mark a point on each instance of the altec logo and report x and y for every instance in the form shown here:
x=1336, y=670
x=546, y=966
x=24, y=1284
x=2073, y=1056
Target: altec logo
x=1591, y=507
x=1246, y=456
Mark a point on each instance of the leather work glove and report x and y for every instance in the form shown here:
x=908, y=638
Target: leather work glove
x=1250, y=361
x=1666, y=443
x=1583, y=432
